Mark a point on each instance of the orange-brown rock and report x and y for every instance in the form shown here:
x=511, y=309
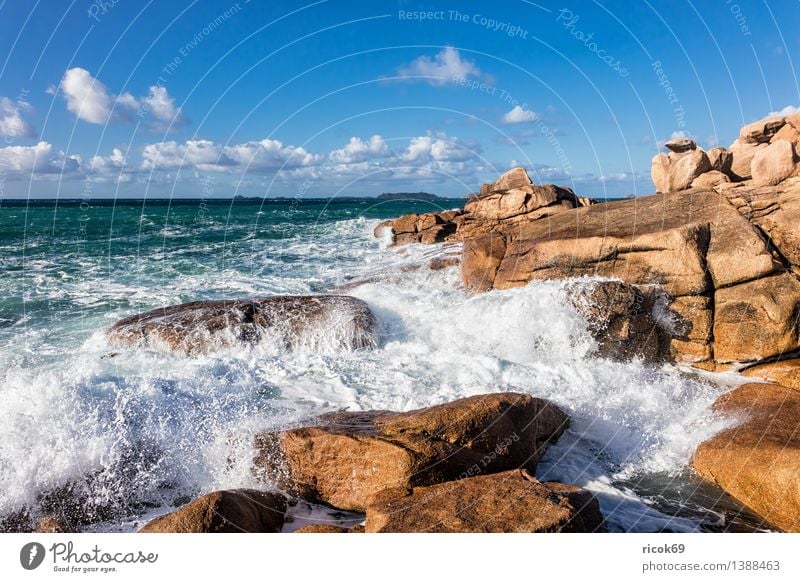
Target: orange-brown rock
x=710, y=179
x=783, y=372
x=775, y=210
x=202, y=326
x=430, y=228
x=675, y=241
x=512, y=501
x=758, y=460
x=774, y=163
x=757, y=319
x=720, y=160
x=481, y=258
x=677, y=171
x=233, y=511
x=761, y=131
x=346, y=459
x=743, y=154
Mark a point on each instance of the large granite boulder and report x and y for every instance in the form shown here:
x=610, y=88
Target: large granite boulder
x=293, y=321
x=758, y=460
x=429, y=228
x=232, y=511
x=678, y=169
x=346, y=459
x=774, y=163
x=510, y=502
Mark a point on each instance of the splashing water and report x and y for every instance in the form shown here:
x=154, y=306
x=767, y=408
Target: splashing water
x=145, y=428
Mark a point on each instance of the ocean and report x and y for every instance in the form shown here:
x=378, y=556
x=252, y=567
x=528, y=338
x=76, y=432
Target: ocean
x=140, y=431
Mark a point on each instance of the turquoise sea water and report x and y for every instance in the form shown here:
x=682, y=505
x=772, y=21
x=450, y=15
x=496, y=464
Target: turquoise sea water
x=141, y=429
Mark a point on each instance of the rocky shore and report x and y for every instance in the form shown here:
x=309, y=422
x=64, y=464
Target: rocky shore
x=702, y=274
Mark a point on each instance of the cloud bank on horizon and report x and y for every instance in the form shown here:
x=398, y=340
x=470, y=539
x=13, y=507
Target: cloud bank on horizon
x=359, y=99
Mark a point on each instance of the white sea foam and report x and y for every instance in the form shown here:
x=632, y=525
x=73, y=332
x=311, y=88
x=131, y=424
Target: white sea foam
x=158, y=427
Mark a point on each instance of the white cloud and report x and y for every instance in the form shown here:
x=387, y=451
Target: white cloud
x=39, y=159
x=12, y=123
x=86, y=97
x=519, y=115
x=788, y=110
x=268, y=155
x=439, y=148
x=90, y=100
x=445, y=67
x=358, y=150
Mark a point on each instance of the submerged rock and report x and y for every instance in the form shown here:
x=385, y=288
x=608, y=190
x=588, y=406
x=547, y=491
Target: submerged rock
x=232, y=511
x=758, y=461
x=292, y=321
x=346, y=459
x=511, y=502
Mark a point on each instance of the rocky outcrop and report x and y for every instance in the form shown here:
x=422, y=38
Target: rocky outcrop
x=678, y=169
x=512, y=199
x=758, y=461
x=346, y=459
x=233, y=511
x=512, y=501
x=291, y=321
x=429, y=228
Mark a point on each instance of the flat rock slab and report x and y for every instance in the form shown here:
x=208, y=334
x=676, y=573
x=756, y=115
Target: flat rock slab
x=232, y=511
x=512, y=501
x=785, y=372
x=293, y=321
x=346, y=459
x=758, y=461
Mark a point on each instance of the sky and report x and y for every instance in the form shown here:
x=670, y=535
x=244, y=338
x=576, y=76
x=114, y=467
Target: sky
x=216, y=98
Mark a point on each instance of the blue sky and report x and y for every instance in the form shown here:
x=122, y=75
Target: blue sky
x=216, y=98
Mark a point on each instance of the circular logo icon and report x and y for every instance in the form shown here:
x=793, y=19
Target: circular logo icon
x=31, y=555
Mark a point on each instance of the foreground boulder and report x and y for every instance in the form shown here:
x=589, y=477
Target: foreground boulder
x=313, y=321
x=233, y=511
x=511, y=502
x=429, y=228
x=758, y=461
x=347, y=458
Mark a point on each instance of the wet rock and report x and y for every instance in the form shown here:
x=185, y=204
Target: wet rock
x=620, y=318
x=232, y=511
x=292, y=321
x=480, y=260
x=512, y=501
x=346, y=459
x=758, y=460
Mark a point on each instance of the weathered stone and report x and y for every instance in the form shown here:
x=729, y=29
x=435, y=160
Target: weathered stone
x=788, y=132
x=619, y=317
x=672, y=240
x=480, y=260
x=513, y=501
x=773, y=164
x=742, y=157
x=348, y=458
x=687, y=167
x=761, y=131
x=660, y=172
x=690, y=324
x=720, y=160
x=324, y=528
x=233, y=511
x=680, y=145
x=710, y=179
x=202, y=326
x=757, y=319
x=514, y=178
x=783, y=372
x=525, y=201
x=758, y=461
